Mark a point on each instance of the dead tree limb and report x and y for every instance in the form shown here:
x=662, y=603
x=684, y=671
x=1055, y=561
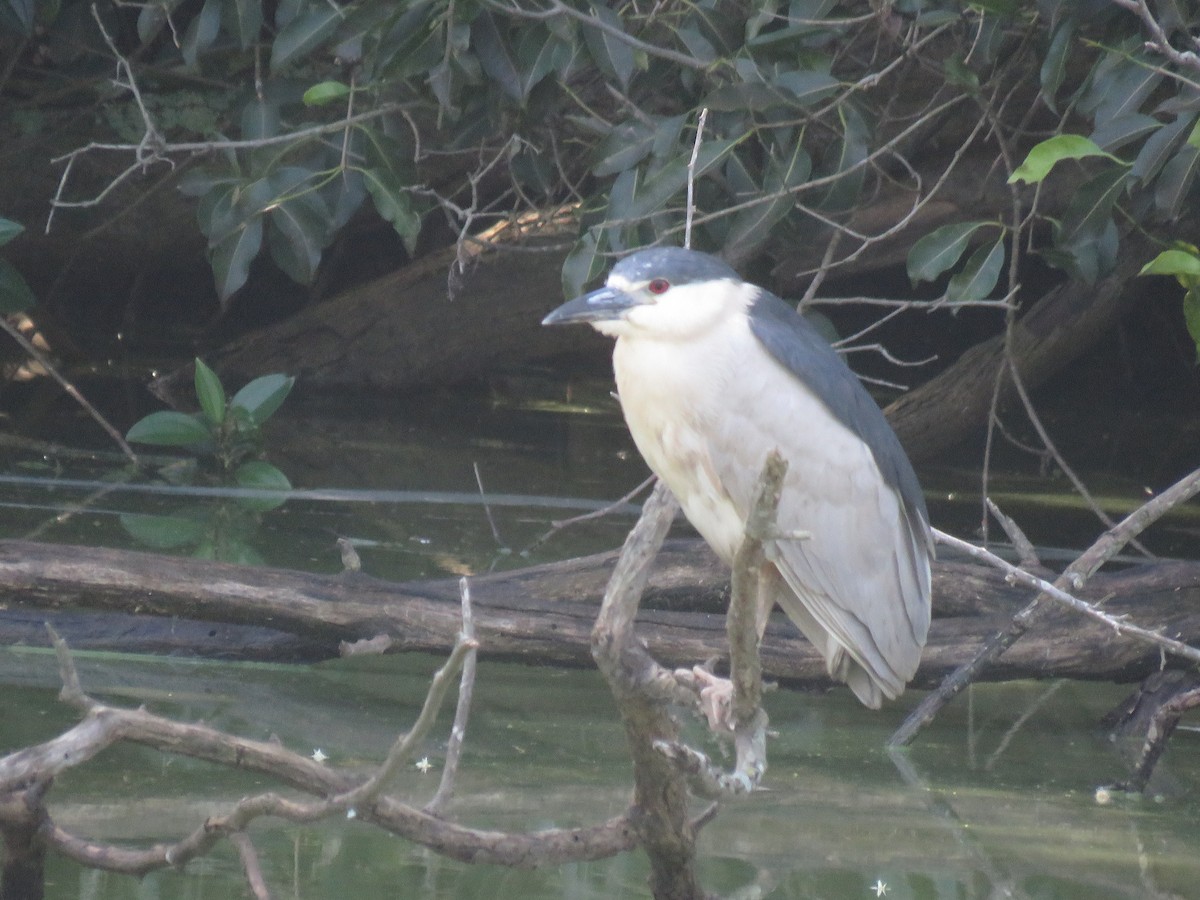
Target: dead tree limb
x=1073, y=578
x=641, y=688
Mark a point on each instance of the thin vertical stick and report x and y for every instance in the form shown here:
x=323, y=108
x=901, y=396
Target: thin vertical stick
x=691, y=179
x=466, y=688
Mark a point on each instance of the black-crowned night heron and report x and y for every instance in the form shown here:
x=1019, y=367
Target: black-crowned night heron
x=713, y=373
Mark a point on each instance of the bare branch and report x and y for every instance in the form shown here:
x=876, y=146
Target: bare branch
x=251, y=865
x=1073, y=577
x=558, y=525
x=70, y=389
x=1026, y=552
x=1159, y=42
x=691, y=178
x=462, y=713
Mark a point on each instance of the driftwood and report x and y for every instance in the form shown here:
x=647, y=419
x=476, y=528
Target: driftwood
x=120, y=600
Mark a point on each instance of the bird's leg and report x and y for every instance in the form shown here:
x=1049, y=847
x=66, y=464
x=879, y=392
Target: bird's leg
x=716, y=693
x=770, y=583
x=712, y=694
x=716, y=700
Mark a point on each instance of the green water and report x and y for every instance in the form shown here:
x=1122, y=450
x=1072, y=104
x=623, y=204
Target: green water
x=996, y=799
x=993, y=811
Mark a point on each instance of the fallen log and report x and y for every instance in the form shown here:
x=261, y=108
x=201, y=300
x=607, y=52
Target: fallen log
x=141, y=602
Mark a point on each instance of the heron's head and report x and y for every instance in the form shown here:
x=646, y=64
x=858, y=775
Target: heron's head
x=663, y=293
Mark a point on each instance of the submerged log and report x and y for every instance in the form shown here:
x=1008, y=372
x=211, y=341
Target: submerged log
x=141, y=602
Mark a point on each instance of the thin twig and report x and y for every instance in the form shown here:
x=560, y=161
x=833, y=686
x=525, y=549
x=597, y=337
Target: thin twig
x=250, y=864
x=487, y=510
x=1159, y=41
x=1073, y=577
x=71, y=390
x=462, y=713
x=403, y=748
x=691, y=178
x=557, y=525
x=1052, y=448
x=1026, y=552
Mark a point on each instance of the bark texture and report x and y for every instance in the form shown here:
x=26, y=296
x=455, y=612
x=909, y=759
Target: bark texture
x=110, y=599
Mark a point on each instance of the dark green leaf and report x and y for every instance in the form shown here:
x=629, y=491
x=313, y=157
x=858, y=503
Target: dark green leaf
x=199, y=182
x=304, y=33
x=620, y=201
x=940, y=250
x=806, y=87
x=1159, y=147
x=261, y=397
x=667, y=133
x=164, y=532
x=22, y=14
x=667, y=181
x=412, y=45
x=1054, y=65
x=613, y=55
x=497, y=55
x=232, y=255
x=624, y=147
x=260, y=119
x=325, y=92
x=287, y=10
x=210, y=393
x=851, y=154
x=741, y=181
x=389, y=155
x=152, y=18
x=1090, y=209
x=1191, y=315
x=534, y=172
x=1119, y=89
x=259, y=475
x=344, y=196
x=744, y=95
x=979, y=276
x=1176, y=180
x=696, y=43
x=659, y=186
x=9, y=230
x=959, y=74
x=583, y=265
x=1044, y=156
x=538, y=54
x=15, y=293
x=1119, y=131
x=201, y=32
x=1088, y=255
x=394, y=203
x=169, y=429
x=752, y=227
x=245, y=19
x=441, y=83
x=299, y=232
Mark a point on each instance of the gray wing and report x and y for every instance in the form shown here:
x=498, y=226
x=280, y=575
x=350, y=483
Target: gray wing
x=863, y=577
x=800, y=349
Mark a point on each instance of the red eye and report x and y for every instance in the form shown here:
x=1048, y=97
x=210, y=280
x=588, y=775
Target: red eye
x=658, y=286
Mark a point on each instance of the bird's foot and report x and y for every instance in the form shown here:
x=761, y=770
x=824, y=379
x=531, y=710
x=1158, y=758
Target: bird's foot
x=714, y=695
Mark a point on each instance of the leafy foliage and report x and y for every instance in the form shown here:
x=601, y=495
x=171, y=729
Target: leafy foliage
x=228, y=431
x=15, y=295
x=1183, y=262
x=814, y=107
